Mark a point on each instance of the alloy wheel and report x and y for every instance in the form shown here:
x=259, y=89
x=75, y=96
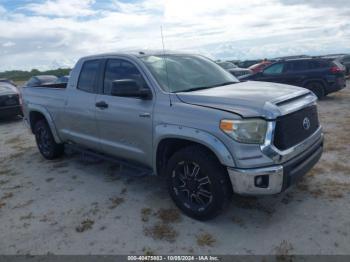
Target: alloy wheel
x=191, y=185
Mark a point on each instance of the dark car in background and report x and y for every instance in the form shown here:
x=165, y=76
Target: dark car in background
x=41, y=80
x=235, y=70
x=343, y=59
x=9, y=100
x=256, y=68
x=321, y=76
x=248, y=63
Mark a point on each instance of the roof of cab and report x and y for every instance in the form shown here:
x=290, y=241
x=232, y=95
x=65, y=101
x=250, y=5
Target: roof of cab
x=136, y=53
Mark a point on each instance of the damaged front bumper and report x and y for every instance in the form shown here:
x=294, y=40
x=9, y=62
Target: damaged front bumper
x=275, y=179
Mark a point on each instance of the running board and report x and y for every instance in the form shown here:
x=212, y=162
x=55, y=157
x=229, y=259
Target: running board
x=139, y=169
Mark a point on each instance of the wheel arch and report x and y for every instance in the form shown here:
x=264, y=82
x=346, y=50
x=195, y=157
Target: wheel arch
x=323, y=86
x=37, y=113
x=312, y=80
x=170, y=138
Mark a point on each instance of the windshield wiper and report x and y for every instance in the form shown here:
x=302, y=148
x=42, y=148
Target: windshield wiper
x=206, y=87
x=194, y=89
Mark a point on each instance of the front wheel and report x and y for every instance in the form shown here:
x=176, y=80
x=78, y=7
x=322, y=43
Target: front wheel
x=45, y=141
x=198, y=183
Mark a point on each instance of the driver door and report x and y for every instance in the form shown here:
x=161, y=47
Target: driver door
x=125, y=124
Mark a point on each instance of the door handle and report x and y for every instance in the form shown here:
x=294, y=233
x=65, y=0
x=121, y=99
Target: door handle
x=101, y=105
x=144, y=114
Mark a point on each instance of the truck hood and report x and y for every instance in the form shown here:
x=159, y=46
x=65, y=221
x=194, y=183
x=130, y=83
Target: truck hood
x=249, y=99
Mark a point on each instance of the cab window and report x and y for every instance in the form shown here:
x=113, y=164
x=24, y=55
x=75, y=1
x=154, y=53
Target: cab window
x=118, y=69
x=88, y=76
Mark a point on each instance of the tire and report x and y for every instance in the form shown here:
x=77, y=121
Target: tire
x=317, y=88
x=45, y=141
x=198, y=183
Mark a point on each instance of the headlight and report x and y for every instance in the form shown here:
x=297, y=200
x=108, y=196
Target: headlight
x=249, y=131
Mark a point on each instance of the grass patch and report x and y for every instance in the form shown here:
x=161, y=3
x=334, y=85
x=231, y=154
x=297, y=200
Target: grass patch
x=317, y=170
x=161, y=231
x=169, y=215
x=339, y=167
x=3, y=182
x=330, y=189
x=29, y=216
x=145, y=213
x=148, y=252
x=116, y=201
x=205, y=239
x=13, y=140
x=25, y=204
x=7, y=172
x=85, y=225
x=284, y=248
x=13, y=187
x=7, y=195
x=16, y=155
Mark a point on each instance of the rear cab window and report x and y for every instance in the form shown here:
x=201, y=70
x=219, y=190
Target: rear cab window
x=88, y=76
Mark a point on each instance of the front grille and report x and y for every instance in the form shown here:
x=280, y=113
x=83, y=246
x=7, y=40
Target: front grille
x=9, y=100
x=292, y=129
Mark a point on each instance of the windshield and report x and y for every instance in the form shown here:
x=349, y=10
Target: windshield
x=181, y=73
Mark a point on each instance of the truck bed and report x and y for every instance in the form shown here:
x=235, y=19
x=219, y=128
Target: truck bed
x=51, y=97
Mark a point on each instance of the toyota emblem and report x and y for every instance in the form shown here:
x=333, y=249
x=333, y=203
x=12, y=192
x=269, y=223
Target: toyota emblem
x=306, y=123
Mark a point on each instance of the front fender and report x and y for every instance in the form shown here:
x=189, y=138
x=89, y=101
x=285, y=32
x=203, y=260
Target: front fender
x=42, y=110
x=195, y=135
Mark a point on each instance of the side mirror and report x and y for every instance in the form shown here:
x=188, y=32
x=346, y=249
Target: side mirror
x=130, y=88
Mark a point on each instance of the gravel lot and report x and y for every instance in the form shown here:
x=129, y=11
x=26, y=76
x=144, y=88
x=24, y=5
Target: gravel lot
x=78, y=205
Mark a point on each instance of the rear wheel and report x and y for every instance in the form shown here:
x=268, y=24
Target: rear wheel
x=45, y=141
x=198, y=183
x=317, y=88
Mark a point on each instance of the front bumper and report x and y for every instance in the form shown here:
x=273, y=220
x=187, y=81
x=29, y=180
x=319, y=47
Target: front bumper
x=275, y=178
x=10, y=111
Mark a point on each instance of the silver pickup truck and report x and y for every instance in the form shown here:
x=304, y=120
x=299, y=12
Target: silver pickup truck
x=183, y=117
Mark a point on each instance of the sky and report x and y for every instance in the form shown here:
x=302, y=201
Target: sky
x=47, y=34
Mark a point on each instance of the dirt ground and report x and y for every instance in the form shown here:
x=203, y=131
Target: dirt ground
x=78, y=205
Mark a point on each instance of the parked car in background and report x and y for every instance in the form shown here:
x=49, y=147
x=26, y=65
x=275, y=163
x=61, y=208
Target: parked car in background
x=41, y=80
x=62, y=80
x=248, y=63
x=235, y=70
x=5, y=80
x=184, y=118
x=321, y=76
x=343, y=59
x=260, y=66
x=290, y=57
x=9, y=100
